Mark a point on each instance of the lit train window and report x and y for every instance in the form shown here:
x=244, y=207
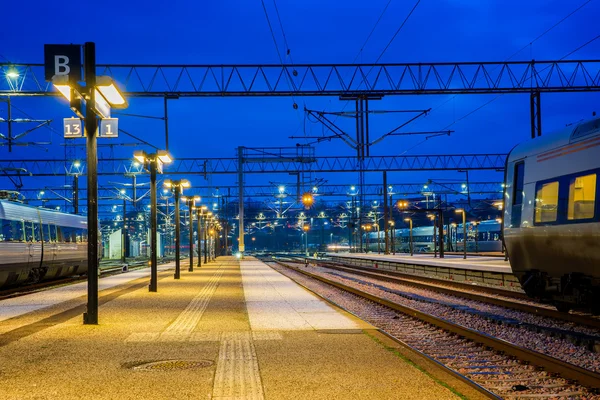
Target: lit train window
x=546, y=202
x=582, y=197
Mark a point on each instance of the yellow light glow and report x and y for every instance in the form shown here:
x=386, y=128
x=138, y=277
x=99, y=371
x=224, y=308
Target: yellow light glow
x=110, y=92
x=185, y=183
x=12, y=74
x=459, y=210
x=164, y=156
x=407, y=219
x=167, y=183
x=184, y=199
x=65, y=90
x=140, y=155
x=197, y=198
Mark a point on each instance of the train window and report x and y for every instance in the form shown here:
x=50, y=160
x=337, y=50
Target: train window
x=582, y=197
x=546, y=202
x=518, y=184
x=12, y=231
x=59, y=234
x=37, y=232
x=47, y=236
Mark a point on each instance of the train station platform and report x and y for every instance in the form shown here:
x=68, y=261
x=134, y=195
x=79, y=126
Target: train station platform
x=229, y=330
x=475, y=263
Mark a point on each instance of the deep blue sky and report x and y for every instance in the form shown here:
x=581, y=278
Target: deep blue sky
x=221, y=32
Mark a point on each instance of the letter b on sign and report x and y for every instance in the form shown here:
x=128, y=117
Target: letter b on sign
x=62, y=59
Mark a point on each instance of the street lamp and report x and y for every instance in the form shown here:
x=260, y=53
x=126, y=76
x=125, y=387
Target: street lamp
x=367, y=229
x=154, y=162
x=464, y=223
x=200, y=212
x=177, y=187
x=306, y=228
x=393, y=231
x=207, y=218
x=97, y=92
x=410, y=239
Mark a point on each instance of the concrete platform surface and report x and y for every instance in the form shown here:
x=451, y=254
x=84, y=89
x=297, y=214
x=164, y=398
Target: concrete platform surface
x=475, y=263
x=224, y=331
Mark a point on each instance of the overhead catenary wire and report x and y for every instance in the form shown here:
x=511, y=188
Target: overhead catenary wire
x=289, y=81
x=514, y=54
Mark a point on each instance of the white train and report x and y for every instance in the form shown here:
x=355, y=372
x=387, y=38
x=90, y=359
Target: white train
x=482, y=237
x=552, y=216
x=38, y=244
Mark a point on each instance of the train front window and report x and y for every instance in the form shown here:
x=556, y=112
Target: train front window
x=546, y=202
x=582, y=197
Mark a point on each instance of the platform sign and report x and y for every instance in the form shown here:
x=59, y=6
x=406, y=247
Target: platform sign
x=62, y=59
x=73, y=128
x=109, y=128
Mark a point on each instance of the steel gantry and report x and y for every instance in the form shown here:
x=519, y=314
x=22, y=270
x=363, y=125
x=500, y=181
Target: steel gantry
x=205, y=166
x=326, y=79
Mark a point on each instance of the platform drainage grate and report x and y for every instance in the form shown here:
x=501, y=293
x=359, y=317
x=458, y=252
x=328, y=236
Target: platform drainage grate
x=167, y=365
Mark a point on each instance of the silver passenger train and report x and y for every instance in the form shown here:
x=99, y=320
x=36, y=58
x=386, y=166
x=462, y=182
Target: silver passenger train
x=38, y=244
x=481, y=237
x=552, y=217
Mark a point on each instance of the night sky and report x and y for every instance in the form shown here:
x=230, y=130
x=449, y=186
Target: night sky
x=236, y=32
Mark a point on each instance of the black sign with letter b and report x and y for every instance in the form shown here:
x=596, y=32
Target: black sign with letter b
x=62, y=59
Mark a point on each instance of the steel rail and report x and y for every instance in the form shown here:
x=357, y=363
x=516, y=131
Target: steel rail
x=388, y=276
x=566, y=370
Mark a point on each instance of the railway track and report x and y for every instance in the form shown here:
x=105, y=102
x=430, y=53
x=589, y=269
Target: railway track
x=105, y=270
x=498, y=366
x=503, y=298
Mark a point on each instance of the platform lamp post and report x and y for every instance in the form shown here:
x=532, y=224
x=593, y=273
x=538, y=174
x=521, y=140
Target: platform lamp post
x=392, y=230
x=207, y=218
x=410, y=238
x=177, y=187
x=75, y=171
x=464, y=223
x=154, y=162
x=200, y=211
x=432, y=218
x=190, y=202
x=100, y=95
x=122, y=194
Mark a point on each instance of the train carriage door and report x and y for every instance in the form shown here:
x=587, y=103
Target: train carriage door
x=517, y=195
x=33, y=238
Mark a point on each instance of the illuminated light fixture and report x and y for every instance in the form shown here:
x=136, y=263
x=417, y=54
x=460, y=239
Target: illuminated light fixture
x=140, y=156
x=13, y=73
x=185, y=183
x=353, y=188
x=463, y=186
x=308, y=199
x=459, y=210
x=122, y=191
x=184, y=199
x=77, y=164
x=281, y=189
x=107, y=88
x=167, y=183
x=164, y=156
x=197, y=198
x=306, y=228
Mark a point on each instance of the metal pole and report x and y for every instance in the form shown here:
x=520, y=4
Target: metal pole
x=386, y=213
x=10, y=125
x=476, y=237
x=91, y=316
x=434, y=240
x=166, y=126
x=199, y=235
x=191, y=226
x=205, y=242
x=441, y=232
x=241, y=199
x=411, y=237
x=177, y=234
x=76, y=194
x=153, y=233
x=464, y=215
x=124, y=233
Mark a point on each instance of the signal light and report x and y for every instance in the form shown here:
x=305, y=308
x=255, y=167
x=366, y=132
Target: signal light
x=308, y=200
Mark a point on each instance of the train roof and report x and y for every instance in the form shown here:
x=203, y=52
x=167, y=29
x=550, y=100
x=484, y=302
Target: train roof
x=573, y=133
x=17, y=211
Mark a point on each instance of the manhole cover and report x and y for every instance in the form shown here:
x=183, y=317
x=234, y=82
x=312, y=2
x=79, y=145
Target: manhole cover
x=168, y=365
